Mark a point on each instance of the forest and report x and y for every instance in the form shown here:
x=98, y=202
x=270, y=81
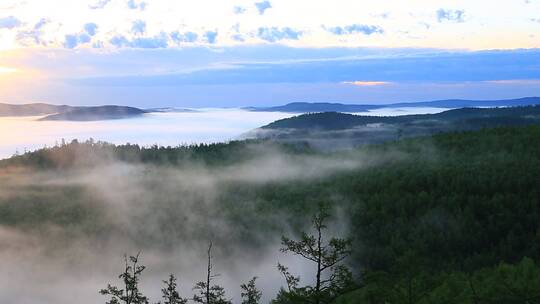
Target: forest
x=447, y=218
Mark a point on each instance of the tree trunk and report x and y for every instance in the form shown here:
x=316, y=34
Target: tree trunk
x=209, y=273
x=319, y=266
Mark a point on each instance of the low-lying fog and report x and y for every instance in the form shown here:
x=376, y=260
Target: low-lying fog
x=19, y=134
x=64, y=231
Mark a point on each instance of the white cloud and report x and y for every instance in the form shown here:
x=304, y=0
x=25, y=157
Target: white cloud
x=263, y=6
x=9, y=22
x=506, y=25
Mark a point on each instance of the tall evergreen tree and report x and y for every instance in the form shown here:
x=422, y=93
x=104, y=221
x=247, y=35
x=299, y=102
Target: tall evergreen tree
x=170, y=293
x=130, y=294
x=332, y=278
x=207, y=293
x=250, y=294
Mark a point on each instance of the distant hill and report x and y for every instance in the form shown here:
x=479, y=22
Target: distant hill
x=64, y=112
x=333, y=130
x=95, y=113
x=304, y=107
x=340, y=121
x=171, y=110
x=32, y=109
x=307, y=107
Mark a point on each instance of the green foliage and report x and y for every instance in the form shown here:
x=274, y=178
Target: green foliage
x=250, y=294
x=459, y=118
x=332, y=279
x=170, y=293
x=440, y=216
x=504, y=283
x=130, y=278
x=216, y=294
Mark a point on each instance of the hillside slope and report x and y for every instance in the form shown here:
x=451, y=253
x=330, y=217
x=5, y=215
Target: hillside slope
x=433, y=212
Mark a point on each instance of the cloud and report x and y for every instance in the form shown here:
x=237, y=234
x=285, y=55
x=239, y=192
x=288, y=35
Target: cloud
x=449, y=15
x=119, y=41
x=99, y=4
x=155, y=42
x=263, y=6
x=273, y=34
x=90, y=28
x=132, y=4
x=366, y=83
x=356, y=28
x=138, y=27
x=41, y=23
x=238, y=37
x=71, y=41
x=239, y=10
x=9, y=22
x=535, y=20
x=189, y=37
x=33, y=36
x=515, y=81
x=390, y=68
x=211, y=36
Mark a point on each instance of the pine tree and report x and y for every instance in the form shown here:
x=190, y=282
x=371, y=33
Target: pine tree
x=332, y=278
x=170, y=293
x=250, y=294
x=130, y=277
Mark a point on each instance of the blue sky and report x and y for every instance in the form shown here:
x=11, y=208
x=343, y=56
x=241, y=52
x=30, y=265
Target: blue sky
x=239, y=53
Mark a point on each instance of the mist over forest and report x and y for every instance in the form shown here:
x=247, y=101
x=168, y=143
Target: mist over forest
x=418, y=209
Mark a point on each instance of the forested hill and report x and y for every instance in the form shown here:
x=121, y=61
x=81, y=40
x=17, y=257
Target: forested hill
x=428, y=217
x=334, y=131
x=467, y=116
x=307, y=107
x=69, y=113
x=95, y=113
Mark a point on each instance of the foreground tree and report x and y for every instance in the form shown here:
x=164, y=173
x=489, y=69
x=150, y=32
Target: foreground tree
x=130, y=294
x=250, y=294
x=332, y=279
x=207, y=293
x=170, y=293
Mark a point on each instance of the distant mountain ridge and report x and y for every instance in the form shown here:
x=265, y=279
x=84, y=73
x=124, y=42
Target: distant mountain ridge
x=334, y=130
x=307, y=107
x=31, y=109
x=70, y=113
x=95, y=113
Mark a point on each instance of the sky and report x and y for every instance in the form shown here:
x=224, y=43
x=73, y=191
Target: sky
x=219, y=53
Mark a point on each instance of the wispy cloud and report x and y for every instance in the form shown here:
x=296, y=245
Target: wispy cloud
x=138, y=27
x=355, y=28
x=10, y=22
x=133, y=4
x=263, y=6
x=154, y=42
x=211, y=36
x=91, y=28
x=239, y=10
x=450, y=15
x=189, y=37
x=33, y=36
x=515, y=81
x=99, y=4
x=273, y=34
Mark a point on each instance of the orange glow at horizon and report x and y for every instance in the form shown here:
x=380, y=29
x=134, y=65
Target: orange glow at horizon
x=7, y=70
x=367, y=83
